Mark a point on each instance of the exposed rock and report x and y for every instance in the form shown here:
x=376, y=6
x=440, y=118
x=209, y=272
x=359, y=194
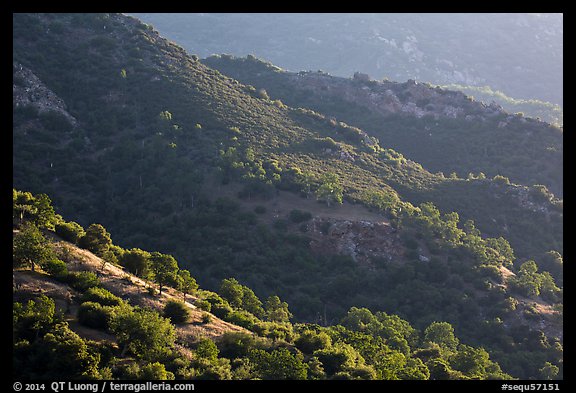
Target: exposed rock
x=386, y=97
x=346, y=156
x=361, y=240
x=28, y=90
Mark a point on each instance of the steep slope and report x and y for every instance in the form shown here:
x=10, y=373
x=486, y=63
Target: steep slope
x=512, y=59
x=46, y=307
x=120, y=283
x=446, y=132
x=518, y=53
x=161, y=140
x=441, y=129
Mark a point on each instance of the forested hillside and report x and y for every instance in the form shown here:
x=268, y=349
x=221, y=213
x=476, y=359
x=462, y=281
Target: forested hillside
x=518, y=55
x=115, y=313
x=273, y=189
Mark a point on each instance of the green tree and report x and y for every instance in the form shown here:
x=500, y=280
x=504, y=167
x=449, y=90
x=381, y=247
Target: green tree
x=310, y=341
x=22, y=205
x=361, y=320
x=207, y=349
x=95, y=315
x=441, y=333
x=304, y=179
x=136, y=261
x=82, y=281
x=143, y=333
x=240, y=296
x=549, y=371
x=30, y=247
x=59, y=354
x=414, y=369
x=315, y=369
x=251, y=303
x=277, y=310
x=390, y=364
x=394, y=326
x=548, y=287
x=231, y=290
x=101, y=296
x=552, y=261
x=531, y=283
x=330, y=190
x=504, y=254
x=471, y=361
x=440, y=370
x=238, y=344
x=96, y=240
x=338, y=357
x=164, y=268
x=278, y=364
x=186, y=283
x=176, y=311
x=155, y=372
x=69, y=231
x=55, y=267
x=33, y=319
x=45, y=217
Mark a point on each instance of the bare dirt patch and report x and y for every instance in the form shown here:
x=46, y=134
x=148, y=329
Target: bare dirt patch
x=284, y=202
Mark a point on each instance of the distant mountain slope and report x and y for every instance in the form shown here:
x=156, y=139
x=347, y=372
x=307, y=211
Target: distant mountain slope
x=519, y=54
x=441, y=129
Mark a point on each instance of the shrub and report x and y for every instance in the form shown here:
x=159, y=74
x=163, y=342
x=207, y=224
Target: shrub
x=177, y=311
x=238, y=344
x=56, y=268
x=82, y=281
x=206, y=318
x=156, y=372
x=325, y=143
x=274, y=330
x=203, y=305
x=310, y=341
x=94, y=315
x=298, y=216
x=96, y=240
x=70, y=231
x=242, y=318
x=101, y=296
x=221, y=310
x=491, y=271
x=151, y=291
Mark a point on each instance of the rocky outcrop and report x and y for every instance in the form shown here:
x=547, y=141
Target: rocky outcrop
x=525, y=197
x=386, y=97
x=28, y=90
x=363, y=241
